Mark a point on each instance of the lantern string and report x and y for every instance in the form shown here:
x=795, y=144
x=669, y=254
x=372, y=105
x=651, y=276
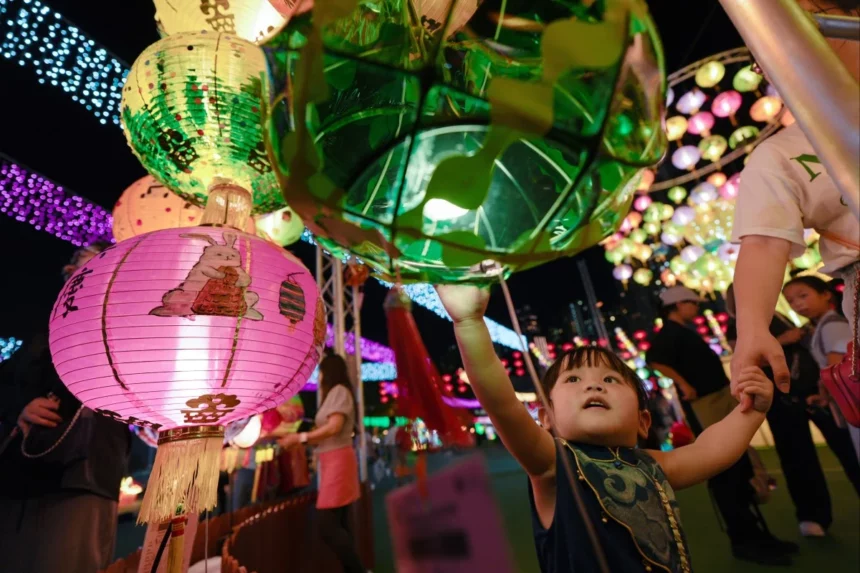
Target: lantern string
x=568, y=468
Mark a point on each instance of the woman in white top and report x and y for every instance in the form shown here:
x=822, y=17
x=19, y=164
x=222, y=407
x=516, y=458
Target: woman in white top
x=785, y=189
x=337, y=464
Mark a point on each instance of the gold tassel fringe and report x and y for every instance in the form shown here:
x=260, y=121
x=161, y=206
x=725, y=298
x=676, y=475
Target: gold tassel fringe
x=185, y=473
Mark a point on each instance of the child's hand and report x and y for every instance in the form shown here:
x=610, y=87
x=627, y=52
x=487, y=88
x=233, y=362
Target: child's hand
x=753, y=383
x=464, y=302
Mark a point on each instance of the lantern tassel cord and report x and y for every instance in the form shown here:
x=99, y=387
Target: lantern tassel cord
x=176, y=550
x=568, y=467
x=184, y=472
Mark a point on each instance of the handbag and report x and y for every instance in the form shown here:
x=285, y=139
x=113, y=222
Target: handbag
x=842, y=380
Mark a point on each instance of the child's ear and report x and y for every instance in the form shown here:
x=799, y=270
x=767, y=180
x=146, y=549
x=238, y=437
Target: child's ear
x=644, y=423
x=543, y=418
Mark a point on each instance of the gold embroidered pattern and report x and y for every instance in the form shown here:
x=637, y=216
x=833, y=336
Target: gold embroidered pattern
x=209, y=408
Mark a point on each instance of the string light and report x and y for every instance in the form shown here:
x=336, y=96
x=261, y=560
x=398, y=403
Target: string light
x=34, y=36
x=8, y=347
x=717, y=329
x=33, y=199
x=370, y=372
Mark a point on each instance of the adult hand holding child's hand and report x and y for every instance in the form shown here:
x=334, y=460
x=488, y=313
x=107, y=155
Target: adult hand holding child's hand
x=753, y=384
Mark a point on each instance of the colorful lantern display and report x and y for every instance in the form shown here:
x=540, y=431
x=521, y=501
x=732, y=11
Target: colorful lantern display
x=701, y=123
x=676, y=127
x=252, y=20
x=147, y=205
x=727, y=104
x=710, y=74
x=473, y=123
x=691, y=102
x=686, y=157
x=192, y=109
x=183, y=331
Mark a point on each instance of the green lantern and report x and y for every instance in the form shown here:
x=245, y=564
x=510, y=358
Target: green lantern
x=677, y=194
x=746, y=80
x=713, y=147
x=614, y=256
x=192, y=110
x=428, y=146
x=677, y=265
x=638, y=236
x=742, y=135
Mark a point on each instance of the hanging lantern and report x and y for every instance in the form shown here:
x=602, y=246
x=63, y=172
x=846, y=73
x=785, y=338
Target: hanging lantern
x=670, y=96
x=614, y=256
x=729, y=189
x=765, y=109
x=677, y=194
x=643, y=276
x=634, y=218
x=671, y=238
x=668, y=278
x=642, y=203
x=283, y=227
x=713, y=147
x=743, y=135
x=683, y=215
x=652, y=228
x=676, y=127
x=191, y=112
x=184, y=331
x=703, y=193
x=728, y=253
x=701, y=123
x=642, y=253
x=691, y=253
x=622, y=272
x=746, y=80
x=362, y=106
x=691, y=102
x=645, y=180
x=639, y=236
x=686, y=157
x=710, y=74
x=678, y=265
x=247, y=435
x=147, y=205
x=727, y=105
x=717, y=179
x=252, y=20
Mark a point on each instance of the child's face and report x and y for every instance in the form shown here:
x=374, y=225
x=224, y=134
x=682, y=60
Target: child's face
x=806, y=301
x=595, y=405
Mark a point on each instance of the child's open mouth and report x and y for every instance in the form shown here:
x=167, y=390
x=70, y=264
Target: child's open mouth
x=596, y=403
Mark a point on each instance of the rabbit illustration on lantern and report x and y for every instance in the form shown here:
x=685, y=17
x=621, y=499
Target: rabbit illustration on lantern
x=216, y=286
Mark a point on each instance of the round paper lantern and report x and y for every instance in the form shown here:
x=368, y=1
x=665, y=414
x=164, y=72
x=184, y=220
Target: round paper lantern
x=742, y=135
x=668, y=278
x=147, y=205
x=430, y=159
x=729, y=189
x=645, y=180
x=639, y=236
x=710, y=74
x=184, y=331
x=614, y=256
x=643, y=276
x=678, y=265
x=728, y=253
x=191, y=112
x=701, y=123
x=676, y=127
x=765, y=109
x=746, y=80
x=651, y=227
x=683, y=215
x=622, y=272
x=282, y=227
x=677, y=194
x=248, y=435
x=634, y=218
x=252, y=20
x=686, y=157
x=717, y=179
x=671, y=238
x=713, y=147
x=691, y=253
x=642, y=202
x=727, y=104
x=642, y=253
x=670, y=96
x=703, y=193
x=691, y=102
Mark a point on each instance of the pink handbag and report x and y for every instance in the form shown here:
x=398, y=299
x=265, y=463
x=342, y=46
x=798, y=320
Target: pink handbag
x=843, y=380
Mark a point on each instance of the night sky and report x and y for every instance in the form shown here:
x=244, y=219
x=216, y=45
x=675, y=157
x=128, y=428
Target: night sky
x=45, y=130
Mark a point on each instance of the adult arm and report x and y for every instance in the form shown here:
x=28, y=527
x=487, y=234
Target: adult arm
x=723, y=443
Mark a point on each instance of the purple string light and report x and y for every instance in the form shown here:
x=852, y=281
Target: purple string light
x=30, y=198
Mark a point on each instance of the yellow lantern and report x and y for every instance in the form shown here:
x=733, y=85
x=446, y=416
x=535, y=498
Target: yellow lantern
x=677, y=194
x=646, y=180
x=614, y=256
x=713, y=147
x=652, y=228
x=638, y=236
x=642, y=252
x=678, y=265
x=643, y=276
x=625, y=247
x=765, y=109
x=710, y=74
x=676, y=127
x=252, y=20
x=717, y=179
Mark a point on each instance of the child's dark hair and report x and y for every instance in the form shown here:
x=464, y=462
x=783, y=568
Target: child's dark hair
x=590, y=356
x=820, y=286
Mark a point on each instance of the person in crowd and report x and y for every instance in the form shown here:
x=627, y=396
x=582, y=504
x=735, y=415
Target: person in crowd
x=337, y=464
x=679, y=353
x=58, y=500
x=785, y=189
x=598, y=414
x=789, y=418
x=812, y=297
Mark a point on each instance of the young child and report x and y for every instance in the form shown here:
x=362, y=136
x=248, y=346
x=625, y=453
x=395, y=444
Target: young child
x=599, y=414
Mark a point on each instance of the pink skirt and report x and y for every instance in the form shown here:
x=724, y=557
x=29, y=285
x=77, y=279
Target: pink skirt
x=338, y=484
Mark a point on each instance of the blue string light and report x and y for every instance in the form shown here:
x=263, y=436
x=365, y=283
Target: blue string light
x=370, y=372
x=34, y=36
x=8, y=346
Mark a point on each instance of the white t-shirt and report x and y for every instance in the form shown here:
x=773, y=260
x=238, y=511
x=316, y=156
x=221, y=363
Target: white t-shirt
x=785, y=189
x=338, y=401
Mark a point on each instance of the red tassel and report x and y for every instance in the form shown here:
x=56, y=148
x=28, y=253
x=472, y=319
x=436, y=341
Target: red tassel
x=418, y=381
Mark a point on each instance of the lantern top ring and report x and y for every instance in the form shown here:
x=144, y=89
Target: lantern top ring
x=189, y=433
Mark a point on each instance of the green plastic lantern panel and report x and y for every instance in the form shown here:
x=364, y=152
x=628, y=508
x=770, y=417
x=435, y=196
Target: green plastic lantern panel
x=511, y=131
x=192, y=110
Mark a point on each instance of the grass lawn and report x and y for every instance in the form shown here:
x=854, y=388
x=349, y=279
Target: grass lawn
x=839, y=552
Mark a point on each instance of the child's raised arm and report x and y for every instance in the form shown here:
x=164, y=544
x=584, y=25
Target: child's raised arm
x=722, y=444
x=529, y=444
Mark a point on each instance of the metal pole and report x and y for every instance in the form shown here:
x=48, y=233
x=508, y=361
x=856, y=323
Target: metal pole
x=838, y=27
x=814, y=83
x=359, y=390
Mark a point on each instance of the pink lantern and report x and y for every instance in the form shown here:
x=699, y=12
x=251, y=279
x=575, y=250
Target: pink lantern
x=184, y=331
x=642, y=202
x=686, y=157
x=729, y=189
x=701, y=123
x=728, y=253
x=691, y=102
x=622, y=272
x=727, y=104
